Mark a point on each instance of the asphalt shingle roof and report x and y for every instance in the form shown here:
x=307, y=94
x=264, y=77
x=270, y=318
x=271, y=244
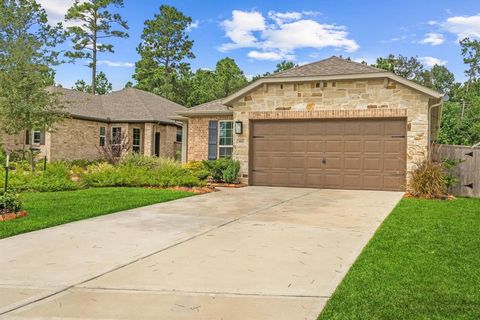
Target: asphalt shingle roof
x=328, y=67
x=126, y=105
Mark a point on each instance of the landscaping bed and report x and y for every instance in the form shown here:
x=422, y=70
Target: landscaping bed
x=422, y=263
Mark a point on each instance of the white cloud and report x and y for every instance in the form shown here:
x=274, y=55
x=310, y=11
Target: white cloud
x=194, y=25
x=431, y=61
x=270, y=55
x=56, y=9
x=116, y=64
x=285, y=33
x=282, y=17
x=434, y=39
x=241, y=28
x=463, y=26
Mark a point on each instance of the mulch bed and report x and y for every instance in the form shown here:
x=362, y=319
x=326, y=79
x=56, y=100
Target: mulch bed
x=196, y=190
x=226, y=185
x=7, y=216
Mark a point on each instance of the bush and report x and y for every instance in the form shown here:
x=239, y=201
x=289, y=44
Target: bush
x=428, y=180
x=10, y=202
x=197, y=168
x=55, y=178
x=223, y=169
x=140, y=171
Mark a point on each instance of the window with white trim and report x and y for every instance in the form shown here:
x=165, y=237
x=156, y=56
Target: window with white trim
x=37, y=136
x=137, y=139
x=103, y=136
x=225, y=139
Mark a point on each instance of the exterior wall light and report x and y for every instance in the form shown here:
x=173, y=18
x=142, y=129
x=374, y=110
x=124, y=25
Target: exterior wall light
x=238, y=127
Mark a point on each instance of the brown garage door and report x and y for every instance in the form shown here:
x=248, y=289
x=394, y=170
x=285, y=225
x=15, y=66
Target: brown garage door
x=339, y=154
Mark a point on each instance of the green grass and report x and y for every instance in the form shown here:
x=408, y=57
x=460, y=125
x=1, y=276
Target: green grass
x=49, y=209
x=423, y=263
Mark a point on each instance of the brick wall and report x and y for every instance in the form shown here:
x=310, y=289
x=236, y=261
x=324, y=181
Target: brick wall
x=197, y=145
x=336, y=99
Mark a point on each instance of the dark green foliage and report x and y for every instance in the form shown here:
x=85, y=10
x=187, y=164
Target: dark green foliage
x=10, y=202
x=103, y=86
x=164, y=48
x=223, y=169
x=97, y=26
x=49, y=209
x=27, y=54
x=456, y=130
x=421, y=264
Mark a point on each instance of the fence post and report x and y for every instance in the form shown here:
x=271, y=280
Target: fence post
x=7, y=167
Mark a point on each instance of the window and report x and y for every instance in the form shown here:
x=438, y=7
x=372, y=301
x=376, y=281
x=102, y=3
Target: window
x=103, y=136
x=37, y=136
x=179, y=134
x=116, y=135
x=27, y=136
x=225, y=139
x=136, y=143
x=116, y=141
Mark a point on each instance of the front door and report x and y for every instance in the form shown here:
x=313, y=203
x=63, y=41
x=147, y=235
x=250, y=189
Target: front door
x=157, y=144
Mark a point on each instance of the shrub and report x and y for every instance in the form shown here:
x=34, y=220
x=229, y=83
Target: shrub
x=139, y=171
x=10, y=202
x=197, y=168
x=230, y=174
x=428, y=180
x=223, y=169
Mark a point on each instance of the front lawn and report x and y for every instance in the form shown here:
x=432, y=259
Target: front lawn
x=423, y=263
x=49, y=209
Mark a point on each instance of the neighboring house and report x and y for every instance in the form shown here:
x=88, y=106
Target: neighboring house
x=94, y=120
x=329, y=124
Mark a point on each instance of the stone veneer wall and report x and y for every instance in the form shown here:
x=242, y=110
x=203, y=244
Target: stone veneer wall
x=197, y=145
x=366, y=98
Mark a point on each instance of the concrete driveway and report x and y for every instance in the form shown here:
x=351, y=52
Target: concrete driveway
x=250, y=253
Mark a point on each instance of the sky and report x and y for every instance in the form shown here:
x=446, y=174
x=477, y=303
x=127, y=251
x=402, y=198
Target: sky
x=260, y=34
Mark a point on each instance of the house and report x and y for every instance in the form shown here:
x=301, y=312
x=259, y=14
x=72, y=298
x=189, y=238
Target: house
x=141, y=116
x=329, y=124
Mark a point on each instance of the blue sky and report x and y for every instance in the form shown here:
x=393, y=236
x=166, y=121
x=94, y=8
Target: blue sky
x=259, y=34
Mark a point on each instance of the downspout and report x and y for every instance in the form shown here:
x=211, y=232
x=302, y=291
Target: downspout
x=437, y=105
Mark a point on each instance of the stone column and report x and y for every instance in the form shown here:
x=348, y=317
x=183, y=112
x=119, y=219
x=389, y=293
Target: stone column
x=148, y=140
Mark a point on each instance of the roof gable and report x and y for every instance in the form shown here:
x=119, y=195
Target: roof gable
x=327, y=67
x=330, y=69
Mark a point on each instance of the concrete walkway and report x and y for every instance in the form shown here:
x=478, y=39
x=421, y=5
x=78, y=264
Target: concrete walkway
x=250, y=253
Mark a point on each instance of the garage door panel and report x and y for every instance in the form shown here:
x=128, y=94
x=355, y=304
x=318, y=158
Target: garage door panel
x=393, y=146
x=372, y=146
x=334, y=146
x=333, y=180
x=333, y=162
x=393, y=164
x=359, y=154
x=372, y=164
x=352, y=163
x=353, y=146
x=315, y=146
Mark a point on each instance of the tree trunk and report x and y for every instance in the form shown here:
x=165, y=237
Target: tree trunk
x=94, y=56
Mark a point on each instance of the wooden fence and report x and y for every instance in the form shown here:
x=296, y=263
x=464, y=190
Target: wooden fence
x=467, y=171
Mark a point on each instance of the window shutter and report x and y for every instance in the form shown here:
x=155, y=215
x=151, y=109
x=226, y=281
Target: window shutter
x=27, y=136
x=42, y=138
x=212, y=139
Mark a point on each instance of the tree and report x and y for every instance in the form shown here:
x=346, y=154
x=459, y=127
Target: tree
x=203, y=87
x=96, y=26
x=103, y=85
x=409, y=68
x=165, y=46
x=129, y=84
x=27, y=53
x=285, y=65
x=471, y=57
x=441, y=79
x=228, y=77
